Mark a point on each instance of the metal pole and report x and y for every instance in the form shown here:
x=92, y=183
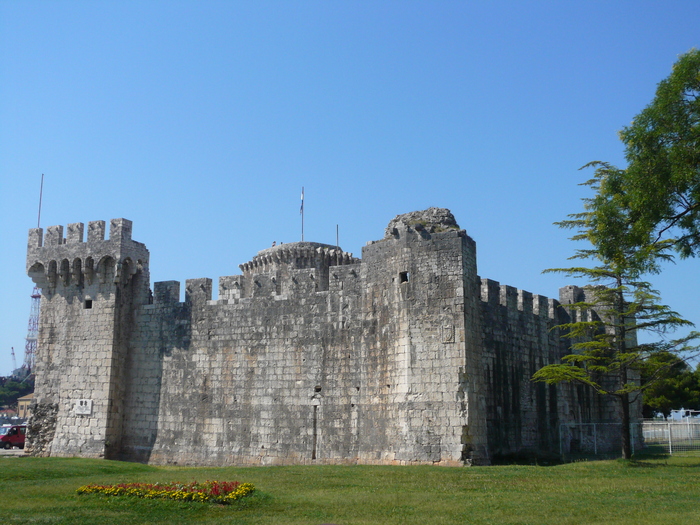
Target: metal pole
x=632, y=437
x=561, y=444
x=302, y=214
x=41, y=192
x=595, y=440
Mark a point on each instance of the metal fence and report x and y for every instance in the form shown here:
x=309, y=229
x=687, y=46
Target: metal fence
x=672, y=437
x=602, y=440
x=590, y=441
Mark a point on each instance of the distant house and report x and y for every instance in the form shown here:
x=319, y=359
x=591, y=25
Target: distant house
x=7, y=413
x=23, y=405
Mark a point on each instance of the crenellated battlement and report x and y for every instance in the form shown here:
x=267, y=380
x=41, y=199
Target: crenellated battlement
x=119, y=231
x=289, y=268
x=232, y=288
x=514, y=299
x=297, y=255
x=54, y=260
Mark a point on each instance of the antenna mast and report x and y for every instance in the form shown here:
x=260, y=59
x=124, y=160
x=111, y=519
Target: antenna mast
x=32, y=331
x=33, y=325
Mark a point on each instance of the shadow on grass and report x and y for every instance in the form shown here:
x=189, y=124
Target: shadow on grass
x=642, y=463
x=650, y=457
x=528, y=459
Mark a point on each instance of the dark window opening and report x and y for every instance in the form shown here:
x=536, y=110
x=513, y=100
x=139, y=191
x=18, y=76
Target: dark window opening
x=88, y=304
x=404, y=277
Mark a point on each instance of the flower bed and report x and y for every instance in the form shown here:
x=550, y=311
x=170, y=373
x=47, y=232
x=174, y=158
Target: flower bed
x=209, y=491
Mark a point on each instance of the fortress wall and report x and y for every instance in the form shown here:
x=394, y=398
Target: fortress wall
x=518, y=340
x=258, y=381
x=581, y=404
x=373, y=370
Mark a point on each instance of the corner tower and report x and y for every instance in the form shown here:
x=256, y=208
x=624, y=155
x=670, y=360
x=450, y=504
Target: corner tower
x=89, y=292
x=422, y=349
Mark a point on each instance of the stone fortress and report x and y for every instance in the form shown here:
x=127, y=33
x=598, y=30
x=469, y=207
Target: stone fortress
x=310, y=355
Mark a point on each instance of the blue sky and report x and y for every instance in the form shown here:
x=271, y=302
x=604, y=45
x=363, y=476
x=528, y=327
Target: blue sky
x=201, y=121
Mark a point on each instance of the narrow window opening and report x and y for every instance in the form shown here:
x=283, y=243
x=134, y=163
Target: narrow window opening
x=88, y=304
x=404, y=277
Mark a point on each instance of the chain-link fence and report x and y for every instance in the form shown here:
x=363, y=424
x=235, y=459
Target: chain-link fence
x=672, y=437
x=591, y=441
x=603, y=440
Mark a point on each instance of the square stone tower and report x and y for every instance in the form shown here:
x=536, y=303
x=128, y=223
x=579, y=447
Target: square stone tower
x=89, y=290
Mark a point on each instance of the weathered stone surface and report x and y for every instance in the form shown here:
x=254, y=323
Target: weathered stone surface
x=310, y=355
x=41, y=428
x=432, y=220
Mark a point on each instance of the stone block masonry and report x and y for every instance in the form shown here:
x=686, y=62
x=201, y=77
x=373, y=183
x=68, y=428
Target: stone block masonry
x=310, y=355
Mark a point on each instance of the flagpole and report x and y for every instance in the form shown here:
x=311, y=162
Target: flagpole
x=302, y=214
x=41, y=192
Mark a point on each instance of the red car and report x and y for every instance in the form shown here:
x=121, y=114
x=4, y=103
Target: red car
x=12, y=436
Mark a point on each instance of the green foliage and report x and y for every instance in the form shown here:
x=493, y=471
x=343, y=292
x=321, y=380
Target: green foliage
x=12, y=390
x=638, y=492
x=635, y=219
x=606, y=355
x=673, y=385
x=661, y=186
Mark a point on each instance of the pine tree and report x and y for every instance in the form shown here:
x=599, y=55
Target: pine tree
x=619, y=303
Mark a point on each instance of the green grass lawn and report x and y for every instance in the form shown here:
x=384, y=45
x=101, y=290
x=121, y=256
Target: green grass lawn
x=651, y=491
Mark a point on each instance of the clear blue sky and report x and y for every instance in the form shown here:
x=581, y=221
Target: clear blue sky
x=201, y=121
